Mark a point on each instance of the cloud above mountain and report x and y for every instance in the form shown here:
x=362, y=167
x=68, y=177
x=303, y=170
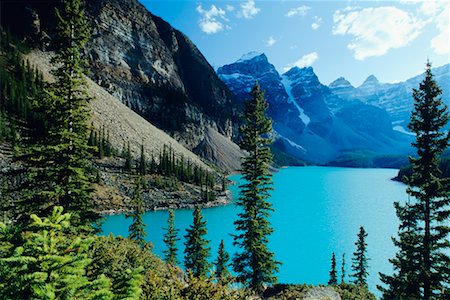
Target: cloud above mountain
x=375, y=31
x=212, y=19
x=305, y=61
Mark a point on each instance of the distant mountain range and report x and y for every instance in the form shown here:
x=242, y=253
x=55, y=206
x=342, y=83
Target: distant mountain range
x=325, y=124
x=395, y=98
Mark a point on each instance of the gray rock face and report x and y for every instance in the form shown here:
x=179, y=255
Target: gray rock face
x=151, y=67
x=254, y=67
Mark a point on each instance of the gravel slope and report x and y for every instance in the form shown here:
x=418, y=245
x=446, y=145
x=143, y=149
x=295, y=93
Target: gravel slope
x=123, y=124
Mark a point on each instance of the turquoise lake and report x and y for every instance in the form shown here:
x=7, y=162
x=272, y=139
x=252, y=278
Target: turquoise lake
x=318, y=210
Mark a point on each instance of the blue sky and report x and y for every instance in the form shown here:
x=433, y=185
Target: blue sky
x=353, y=39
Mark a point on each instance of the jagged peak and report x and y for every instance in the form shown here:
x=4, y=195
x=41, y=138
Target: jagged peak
x=370, y=80
x=340, y=82
x=251, y=56
x=300, y=72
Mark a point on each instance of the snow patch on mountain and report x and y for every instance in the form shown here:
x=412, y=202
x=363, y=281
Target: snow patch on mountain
x=288, y=87
x=249, y=56
x=402, y=130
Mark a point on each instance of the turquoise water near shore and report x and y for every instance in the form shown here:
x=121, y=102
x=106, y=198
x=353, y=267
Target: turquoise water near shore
x=318, y=210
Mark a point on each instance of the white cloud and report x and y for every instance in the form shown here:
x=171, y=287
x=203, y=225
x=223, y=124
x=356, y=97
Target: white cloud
x=441, y=42
x=229, y=7
x=317, y=21
x=271, y=41
x=301, y=11
x=212, y=20
x=249, y=9
x=376, y=30
x=306, y=61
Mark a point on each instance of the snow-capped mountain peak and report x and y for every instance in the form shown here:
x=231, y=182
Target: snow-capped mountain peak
x=251, y=55
x=370, y=81
x=341, y=82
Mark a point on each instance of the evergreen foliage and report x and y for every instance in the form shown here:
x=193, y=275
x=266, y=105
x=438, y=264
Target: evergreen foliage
x=360, y=260
x=333, y=272
x=222, y=263
x=421, y=267
x=170, y=240
x=197, y=248
x=255, y=264
x=128, y=158
x=343, y=269
x=59, y=160
x=137, y=228
x=47, y=264
x=142, y=168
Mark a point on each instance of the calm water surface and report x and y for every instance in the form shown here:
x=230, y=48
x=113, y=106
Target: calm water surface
x=318, y=210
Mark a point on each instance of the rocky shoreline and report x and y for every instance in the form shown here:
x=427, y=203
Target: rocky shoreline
x=221, y=200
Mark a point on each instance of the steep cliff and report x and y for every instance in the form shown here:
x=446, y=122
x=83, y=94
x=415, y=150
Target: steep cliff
x=144, y=62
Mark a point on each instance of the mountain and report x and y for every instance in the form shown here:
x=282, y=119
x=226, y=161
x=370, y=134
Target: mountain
x=310, y=119
x=144, y=62
x=395, y=98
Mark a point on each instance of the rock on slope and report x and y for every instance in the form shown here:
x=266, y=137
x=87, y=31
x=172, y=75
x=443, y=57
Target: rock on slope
x=144, y=62
x=123, y=124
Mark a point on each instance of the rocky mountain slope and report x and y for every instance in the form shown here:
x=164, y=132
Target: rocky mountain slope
x=145, y=63
x=395, y=98
x=313, y=122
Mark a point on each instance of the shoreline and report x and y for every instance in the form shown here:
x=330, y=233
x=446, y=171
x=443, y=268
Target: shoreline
x=222, y=200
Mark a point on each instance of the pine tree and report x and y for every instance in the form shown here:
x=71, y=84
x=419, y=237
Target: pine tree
x=142, y=162
x=359, y=260
x=421, y=267
x=170, y=240
x=137, y=228
x=128, y=158
x=48, y=264
x=255, y=263
x=343, y=269
x=333, y=272
x=196, y=251
x=222, y=263
x=59, y=161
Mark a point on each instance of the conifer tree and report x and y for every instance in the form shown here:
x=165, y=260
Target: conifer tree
x=59, y=161
x=359, y=260
x=222, y=263
x=137, y=228
x=142, y=162
x=421, y=267
x=255, y=264
x=343, y=269
x=333, y=272
x=47, y=264
x=170, y=240
x=128, y=157
x=197, y=248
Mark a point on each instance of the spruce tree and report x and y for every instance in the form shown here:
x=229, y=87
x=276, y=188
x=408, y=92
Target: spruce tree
x=343, y=269
x=170, y=240
x=59, y=161
x=222, y=263
x=359, y=260
x=255, y=264
x=128, y=157
x=48, y=264
x=197, y=248
x=421, y=267
x=137, y=228
x=333, y=272
x=142, y=162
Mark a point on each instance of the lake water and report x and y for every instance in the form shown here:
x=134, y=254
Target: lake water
x=318, y=210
